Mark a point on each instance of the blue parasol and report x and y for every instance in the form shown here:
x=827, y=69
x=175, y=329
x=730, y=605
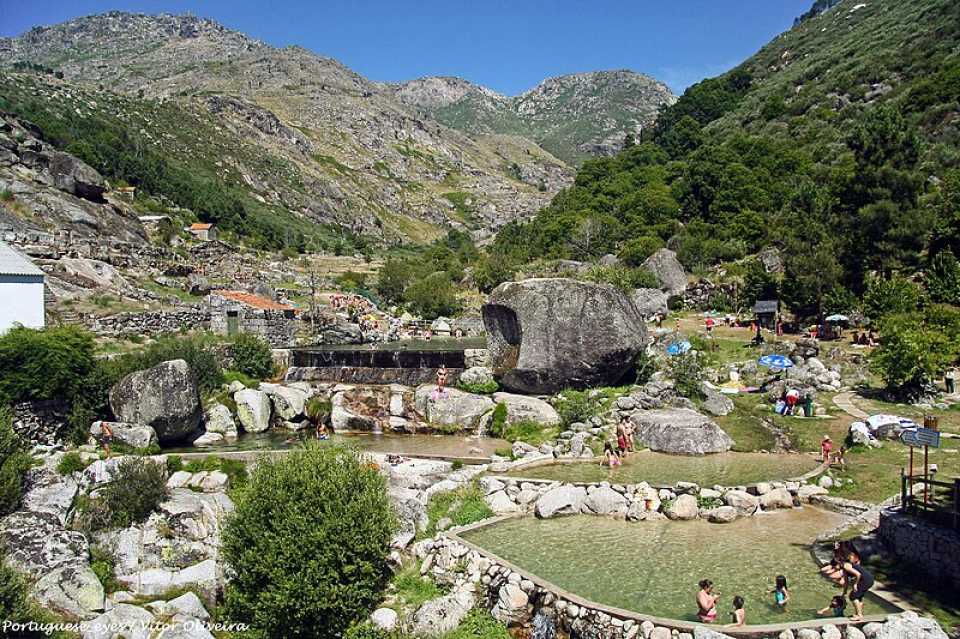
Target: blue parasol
x=775, y=361
x=678, y=348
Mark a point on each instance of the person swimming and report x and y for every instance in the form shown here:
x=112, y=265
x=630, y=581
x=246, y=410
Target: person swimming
x=739, y=614
x=836, y=608
x=781, y=594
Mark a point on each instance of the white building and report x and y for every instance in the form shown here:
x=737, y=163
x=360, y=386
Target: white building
x=21, y=290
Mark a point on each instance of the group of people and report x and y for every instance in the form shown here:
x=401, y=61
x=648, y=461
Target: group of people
x=864, y=339
x=615, y=450
x=844, y=569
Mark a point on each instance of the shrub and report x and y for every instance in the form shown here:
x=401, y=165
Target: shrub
x=433, y=296
x=498, y=421
x=686, y=370
x=252, y=355
x=911, y=354
x=366, y=630
x=637, y=250
x=103, y=566
x=138, y=488
x=308, y=544
x=890, y=297
x=575, y=406
x=71, y=463
x=625, y=279
x=44, y=363
x=479, y=388
x=411, y=589
x=199, y=351
x=943, y=278
x=318, y=410
x=14, y=463
x=645, y=365
x=17, y=607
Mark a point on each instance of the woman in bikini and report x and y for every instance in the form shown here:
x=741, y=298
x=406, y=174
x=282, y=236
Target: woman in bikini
x=707, y=602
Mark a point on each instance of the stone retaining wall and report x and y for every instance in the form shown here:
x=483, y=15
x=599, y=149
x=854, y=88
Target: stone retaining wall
x=369, y=375
x=149, y=323
x=41, y=422
x=932, y=549
x=638, y=502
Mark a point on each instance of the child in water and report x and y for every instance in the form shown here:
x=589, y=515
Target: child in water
x=780, y=592
x=837, y=607
x=610, y=456
x=738, y=614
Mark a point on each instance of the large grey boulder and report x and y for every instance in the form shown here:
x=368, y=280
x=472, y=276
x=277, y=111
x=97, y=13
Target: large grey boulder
x=452, y=407
x=49, y=492
x=123, y=620
x=253, y=410
x=650, y=301
x=562, y=500
x=164, y=397
x=776, y=498
x=906, y=625
x=604, y=500
x=668, y=271
x=525, y=408
x=74, y=176
x=680, y=431
x=37, y=544
x=288, y=402
x=218, y=419
x=682, y=508
x=74, y=591
x=133, y=435
x=441, y=615
x=744, y=503
x=545, y=335
x=476, y=375
x=715, y=402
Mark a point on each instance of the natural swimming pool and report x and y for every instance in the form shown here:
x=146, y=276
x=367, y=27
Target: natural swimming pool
x=725, y=469
x=654, y=567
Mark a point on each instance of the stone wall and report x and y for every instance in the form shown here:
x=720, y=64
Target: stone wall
x=149, y=323
x=932, y=549
x=41, y=422
x=275, y=326
x=367, y=375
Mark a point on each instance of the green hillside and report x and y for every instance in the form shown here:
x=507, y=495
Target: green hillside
x=837, y=143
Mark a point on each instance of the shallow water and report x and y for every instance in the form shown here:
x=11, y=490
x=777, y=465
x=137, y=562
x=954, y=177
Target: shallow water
x=654, y=567
x=725, y=469
x=411, y=445
x=419, y=344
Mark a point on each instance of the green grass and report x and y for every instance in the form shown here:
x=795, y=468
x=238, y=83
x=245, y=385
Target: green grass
x=531, y=432
x=332, y=163
x=462, y=506
x=410, y=590
x=234, y=469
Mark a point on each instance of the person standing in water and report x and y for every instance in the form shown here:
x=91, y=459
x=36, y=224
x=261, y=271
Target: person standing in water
x=707, y=602
x=860, y=580
x=739, y=614
x=781, y=594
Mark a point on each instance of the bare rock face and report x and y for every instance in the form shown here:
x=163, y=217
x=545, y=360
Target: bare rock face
x=680, y=431
x=545, y=335
x=164, y=397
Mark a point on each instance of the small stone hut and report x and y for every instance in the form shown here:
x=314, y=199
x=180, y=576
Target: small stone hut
x=233, y=312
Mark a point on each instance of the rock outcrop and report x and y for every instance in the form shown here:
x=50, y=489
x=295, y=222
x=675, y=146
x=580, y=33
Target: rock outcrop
x=164, y=397
x=452, y=407
x=679, y=431
x=668, y=271
x=545, y=335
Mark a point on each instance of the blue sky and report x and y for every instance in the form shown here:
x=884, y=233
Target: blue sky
x=506, y=45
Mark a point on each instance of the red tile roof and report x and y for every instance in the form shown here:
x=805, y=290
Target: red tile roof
x=197, y=226
x=254, y=301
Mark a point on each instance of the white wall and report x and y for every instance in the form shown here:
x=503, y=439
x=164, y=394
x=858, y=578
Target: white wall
x=21, y=301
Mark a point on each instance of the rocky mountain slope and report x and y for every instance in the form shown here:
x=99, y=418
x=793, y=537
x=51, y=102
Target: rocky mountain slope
x=573, y=116
x=299, y=138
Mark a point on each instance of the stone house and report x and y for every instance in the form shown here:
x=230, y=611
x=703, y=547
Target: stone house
x=202, y=231
x=233, y=312
x=21, y=290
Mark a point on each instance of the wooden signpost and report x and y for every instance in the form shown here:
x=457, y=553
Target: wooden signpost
x=926, y=436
